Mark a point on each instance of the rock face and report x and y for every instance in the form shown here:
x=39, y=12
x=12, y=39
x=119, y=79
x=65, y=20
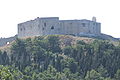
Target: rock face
x=52, y=25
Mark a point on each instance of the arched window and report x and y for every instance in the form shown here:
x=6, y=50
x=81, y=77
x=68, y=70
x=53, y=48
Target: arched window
x=7, y=42
x=52, y=27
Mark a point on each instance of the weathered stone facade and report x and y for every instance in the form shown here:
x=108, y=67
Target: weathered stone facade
x=52, y=25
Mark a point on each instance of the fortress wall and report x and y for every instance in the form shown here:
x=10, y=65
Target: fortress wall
x=74, y=26
x=62, y=28
x=68, y=27
x=50, y=26
x=29, y=28
x=98, y=28
x=24, y=28
x=94, y=28
x=91, y=27
x=84, y=26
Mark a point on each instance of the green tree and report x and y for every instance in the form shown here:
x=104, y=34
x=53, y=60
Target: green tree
x=54, y=44
x=117, y=75
x=5, y=58
x=93, y=75
x=18, y=57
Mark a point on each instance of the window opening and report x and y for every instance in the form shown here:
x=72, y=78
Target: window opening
x=52, y=27
x=45, y=24
x=20, y=29
x=43, y=28
x=83, y=24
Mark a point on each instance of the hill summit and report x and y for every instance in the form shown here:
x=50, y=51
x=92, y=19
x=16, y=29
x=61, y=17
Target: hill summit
x=60, y=57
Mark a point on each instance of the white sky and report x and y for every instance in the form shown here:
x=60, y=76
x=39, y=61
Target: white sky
x=13, y=12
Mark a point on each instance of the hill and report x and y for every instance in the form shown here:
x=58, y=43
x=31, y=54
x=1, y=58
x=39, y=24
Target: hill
x=64, y=39
x=68, y=39
x=60, y=57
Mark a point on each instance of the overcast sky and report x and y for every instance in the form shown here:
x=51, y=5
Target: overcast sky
x=13, y=12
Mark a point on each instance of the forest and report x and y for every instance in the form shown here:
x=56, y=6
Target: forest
x=43, y=58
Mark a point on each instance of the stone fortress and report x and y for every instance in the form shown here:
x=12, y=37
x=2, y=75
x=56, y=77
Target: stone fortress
x=52, y=26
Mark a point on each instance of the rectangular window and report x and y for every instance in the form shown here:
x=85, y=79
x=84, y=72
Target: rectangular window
x=45, y=24
x=83, y=24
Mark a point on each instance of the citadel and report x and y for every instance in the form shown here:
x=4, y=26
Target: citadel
x=54, y=26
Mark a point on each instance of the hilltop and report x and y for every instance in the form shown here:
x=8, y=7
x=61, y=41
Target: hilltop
x=60, y=57
x=64, y=39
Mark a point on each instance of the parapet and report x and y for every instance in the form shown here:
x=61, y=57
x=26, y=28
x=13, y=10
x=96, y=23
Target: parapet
x=49, y=18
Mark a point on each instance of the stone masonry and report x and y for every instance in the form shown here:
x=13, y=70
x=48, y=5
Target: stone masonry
x=52, y=25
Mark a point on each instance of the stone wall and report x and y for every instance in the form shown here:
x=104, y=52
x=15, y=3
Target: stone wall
x=29, y=28
x=52, y=25
x=5, y=41
x=80, y=26
x=39, y=26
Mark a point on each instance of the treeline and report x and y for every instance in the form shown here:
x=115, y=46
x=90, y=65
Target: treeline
x=43, y=58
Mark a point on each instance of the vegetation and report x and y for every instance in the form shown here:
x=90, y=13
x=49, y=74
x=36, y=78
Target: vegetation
x=43, y=58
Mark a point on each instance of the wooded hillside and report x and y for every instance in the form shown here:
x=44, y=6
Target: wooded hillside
x=60, y=58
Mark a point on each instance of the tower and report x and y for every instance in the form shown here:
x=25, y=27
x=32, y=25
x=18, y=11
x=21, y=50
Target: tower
x=94, y=19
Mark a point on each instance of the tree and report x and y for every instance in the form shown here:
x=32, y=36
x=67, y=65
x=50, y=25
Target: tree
x=18, y=57
x=103, y=72
x=1, y=61
x=93, y=75
x=117, y=75
x=54, y=44
x=5, y=58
